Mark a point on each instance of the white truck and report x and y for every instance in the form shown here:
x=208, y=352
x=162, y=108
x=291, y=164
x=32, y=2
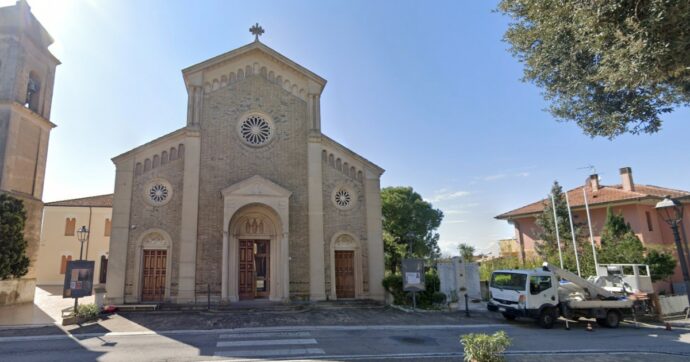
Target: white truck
x=540, y=294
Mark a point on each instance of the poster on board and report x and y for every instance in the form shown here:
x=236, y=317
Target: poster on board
x=413, y=275
x=78, y=279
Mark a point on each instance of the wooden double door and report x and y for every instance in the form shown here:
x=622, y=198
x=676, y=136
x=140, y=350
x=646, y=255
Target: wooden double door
x=254, y=269
x=154, y=270
x=344, y=274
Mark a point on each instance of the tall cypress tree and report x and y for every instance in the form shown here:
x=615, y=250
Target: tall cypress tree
x=13, y=260
x=619, y=244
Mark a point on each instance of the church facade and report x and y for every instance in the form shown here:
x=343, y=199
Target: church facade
x=249, y=200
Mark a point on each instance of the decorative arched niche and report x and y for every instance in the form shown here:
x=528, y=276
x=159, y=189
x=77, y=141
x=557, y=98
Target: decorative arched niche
x=344, y=241
x=152, y=239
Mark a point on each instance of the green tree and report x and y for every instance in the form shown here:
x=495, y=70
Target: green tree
x=13, y=260
x=466, y=252
x=619, y=244
x=547, y=246
x=661, y=264
x=408, y=219
x=612, y=67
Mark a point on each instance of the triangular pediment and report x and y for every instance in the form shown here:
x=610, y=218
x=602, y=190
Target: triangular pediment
x=256, y=186
x=253, y=58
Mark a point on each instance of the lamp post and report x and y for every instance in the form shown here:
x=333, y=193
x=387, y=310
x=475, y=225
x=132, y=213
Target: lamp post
x=82, y=236
x=671, y=211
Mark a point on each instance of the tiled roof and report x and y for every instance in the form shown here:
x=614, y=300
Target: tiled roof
x=93, y=201
x=605, y=195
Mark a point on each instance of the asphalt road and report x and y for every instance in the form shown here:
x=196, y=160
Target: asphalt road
x=352, y=343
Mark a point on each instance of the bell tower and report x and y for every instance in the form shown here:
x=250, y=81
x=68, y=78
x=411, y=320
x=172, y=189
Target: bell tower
x=27, y=73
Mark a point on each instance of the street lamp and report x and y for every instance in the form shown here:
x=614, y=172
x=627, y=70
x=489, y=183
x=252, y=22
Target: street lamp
x=671, y=211
x=82, y=236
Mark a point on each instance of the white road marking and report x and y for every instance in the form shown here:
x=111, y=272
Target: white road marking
x=271, y=352
x=266, y=342
x=264, y=335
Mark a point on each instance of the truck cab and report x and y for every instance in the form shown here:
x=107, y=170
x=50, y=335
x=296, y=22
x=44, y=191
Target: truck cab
x=525, y=293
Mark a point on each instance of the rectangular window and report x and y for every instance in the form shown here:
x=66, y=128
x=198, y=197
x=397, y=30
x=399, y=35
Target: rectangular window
x=108, y=225
x=63, y=263
x=507, y=280
x=104, y=270
x=70, y=225
x=539, y=283
x=649, y=221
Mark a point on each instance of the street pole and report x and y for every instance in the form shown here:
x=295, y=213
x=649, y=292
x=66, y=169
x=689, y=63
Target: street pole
x=82, y=236
x=682, y=258
x=81, y=250
x=572, y=232
x=591, y=234
x=558, y=235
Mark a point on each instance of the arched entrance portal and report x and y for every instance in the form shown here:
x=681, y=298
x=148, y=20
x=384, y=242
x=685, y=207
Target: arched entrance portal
x=255, y=241
x=254, y=232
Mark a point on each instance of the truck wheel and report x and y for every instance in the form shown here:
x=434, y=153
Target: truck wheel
x=547, y=318
x=510, y=317
x=613, y=319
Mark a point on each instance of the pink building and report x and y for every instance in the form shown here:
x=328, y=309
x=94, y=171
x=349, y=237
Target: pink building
x=635, y=201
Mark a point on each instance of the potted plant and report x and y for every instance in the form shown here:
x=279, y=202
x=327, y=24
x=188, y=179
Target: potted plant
x=480, y=347
x=85, y=313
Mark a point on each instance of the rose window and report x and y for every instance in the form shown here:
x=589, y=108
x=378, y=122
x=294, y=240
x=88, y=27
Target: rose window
x=343, y=198
x=158, y=193
x=255, y=130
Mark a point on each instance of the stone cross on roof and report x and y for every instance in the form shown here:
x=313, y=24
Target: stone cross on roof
x=257, y=30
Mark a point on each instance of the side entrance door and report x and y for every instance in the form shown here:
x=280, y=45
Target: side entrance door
x=344, y=274
x=153, y=286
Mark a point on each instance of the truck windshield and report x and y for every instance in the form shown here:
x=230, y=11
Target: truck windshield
x=513, y=281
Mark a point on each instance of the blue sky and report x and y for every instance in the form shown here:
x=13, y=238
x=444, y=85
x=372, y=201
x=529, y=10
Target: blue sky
x=425, y=89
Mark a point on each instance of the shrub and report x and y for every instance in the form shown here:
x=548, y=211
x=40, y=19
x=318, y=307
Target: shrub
x=438, y=298
x=13, y=261
x=87, y=311
x=482, y=347
x=394, y=284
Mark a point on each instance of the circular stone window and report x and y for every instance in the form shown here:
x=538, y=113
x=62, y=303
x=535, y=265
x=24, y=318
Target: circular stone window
x=256, y=130
x=158, y=192
x=343, y=198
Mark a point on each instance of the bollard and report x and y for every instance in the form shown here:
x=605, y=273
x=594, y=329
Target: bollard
x=467, y=307
x=208, y=297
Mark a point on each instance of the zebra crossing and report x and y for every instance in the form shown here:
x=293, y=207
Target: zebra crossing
x=267, y=344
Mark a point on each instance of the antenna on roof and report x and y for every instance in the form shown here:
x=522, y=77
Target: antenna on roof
x=592, y=169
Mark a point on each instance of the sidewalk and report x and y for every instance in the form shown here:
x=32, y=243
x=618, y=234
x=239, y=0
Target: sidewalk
x=45, y=311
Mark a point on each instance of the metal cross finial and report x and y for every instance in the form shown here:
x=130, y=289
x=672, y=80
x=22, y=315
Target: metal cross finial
x=257, y=30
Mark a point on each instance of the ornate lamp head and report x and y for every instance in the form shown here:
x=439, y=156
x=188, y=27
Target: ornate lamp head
x=670, y=210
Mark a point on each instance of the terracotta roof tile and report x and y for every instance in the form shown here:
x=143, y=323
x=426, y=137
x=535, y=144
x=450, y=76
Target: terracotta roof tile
x=605, y=195
x=93, y=201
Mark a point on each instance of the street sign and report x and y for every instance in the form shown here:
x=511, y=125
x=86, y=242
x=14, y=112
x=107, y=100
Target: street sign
x=78, y=279
x=413, y=275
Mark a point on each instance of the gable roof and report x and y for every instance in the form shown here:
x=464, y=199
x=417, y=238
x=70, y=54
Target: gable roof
x=255, y=45
x=606, y=195
x=91, y=201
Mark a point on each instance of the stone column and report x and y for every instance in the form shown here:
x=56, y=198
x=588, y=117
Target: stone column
x=224, y=270
x=285, y=257
x=372, y=197
x=317, y=272
x=190, y=208
x=119, y=232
